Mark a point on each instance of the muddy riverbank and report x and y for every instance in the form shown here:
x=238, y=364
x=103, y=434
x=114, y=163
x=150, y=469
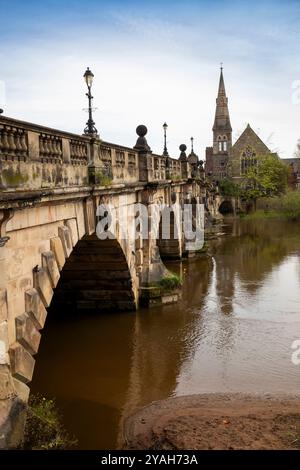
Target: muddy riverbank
x=216, y=421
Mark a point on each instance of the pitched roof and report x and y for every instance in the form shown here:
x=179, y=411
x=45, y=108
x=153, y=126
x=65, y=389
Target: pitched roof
x=249, y=134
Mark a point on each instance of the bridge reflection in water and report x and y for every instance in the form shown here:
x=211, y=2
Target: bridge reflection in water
x=232, y=331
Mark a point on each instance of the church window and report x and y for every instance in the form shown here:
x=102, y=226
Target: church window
x=220, y=146
x=248, y=159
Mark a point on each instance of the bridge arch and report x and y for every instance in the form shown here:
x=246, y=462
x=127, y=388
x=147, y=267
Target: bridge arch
x=170, y=235
x=226, y=207
x=96, y=276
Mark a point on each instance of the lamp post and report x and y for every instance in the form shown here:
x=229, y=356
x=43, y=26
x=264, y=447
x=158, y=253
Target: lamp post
x=165, y=152
x=90, y=125
x=192, y=145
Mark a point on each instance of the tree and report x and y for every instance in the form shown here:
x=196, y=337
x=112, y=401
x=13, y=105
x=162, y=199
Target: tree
x=228, y=188
x=297, y=151
x=267, y=178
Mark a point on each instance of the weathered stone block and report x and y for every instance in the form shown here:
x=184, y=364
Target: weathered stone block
x=6, y=383
x=89, y=216
x=65, y=236
x=12, y=422
x=27, y=334
x=22, y=390
x=35, y=308
x=49, y=262
x=22, y=363
x=66, y=150
x=3, y=342
x=33, y=145
x=42, y=283
x=3, y=305
x=139, y=243
x=57, y=248
x=139, y=257
x=72, y=226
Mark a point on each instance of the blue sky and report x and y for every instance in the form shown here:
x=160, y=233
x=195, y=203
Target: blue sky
x=154, y=62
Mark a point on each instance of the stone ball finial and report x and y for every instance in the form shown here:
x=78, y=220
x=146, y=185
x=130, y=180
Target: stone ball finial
x=183, y=157
x=141, y=143
x=141, y=130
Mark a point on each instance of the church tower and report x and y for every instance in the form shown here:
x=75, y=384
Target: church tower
x=217, y=156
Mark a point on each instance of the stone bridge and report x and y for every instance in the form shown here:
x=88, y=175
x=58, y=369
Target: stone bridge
x=51, y=183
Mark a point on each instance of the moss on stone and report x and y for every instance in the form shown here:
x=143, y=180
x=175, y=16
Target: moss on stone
x=14, y=178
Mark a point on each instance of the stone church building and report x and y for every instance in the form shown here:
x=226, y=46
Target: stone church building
x=224, y=159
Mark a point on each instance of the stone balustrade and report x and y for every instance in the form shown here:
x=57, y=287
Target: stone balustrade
x=13, y=143
x=34, y=157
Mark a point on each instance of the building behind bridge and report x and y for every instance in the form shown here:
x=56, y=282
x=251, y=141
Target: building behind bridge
x=225, y=159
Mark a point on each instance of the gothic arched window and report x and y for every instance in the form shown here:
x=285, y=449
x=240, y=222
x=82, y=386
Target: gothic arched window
x=248, y=159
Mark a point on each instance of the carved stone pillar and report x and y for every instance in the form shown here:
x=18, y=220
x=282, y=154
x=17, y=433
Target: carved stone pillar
x=95, y=165
x=144, y=151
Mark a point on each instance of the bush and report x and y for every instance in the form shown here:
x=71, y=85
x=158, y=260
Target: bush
x=290, y=204
x=287, y=206
x=43, y=429
x=169, y=282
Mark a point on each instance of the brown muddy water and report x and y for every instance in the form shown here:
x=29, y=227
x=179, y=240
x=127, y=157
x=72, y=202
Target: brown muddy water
x=232, y=332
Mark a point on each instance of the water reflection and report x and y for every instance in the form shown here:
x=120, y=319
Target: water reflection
x=232, y=331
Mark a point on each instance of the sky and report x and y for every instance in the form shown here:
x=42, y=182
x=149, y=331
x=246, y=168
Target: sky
x=154, y=61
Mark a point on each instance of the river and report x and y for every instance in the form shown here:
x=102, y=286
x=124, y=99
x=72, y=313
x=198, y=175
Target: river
x=232, y=331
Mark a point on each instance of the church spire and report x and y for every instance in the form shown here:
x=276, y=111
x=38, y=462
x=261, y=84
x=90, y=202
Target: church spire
x=221, y=91
x=222, y=119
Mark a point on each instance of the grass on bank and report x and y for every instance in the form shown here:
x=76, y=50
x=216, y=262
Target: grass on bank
x=44, y=429
x=169, y=282
x=286, y=206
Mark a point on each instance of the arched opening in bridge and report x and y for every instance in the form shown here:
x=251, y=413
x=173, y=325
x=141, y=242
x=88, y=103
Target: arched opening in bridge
x=226, y=208
x=95, y=277
x=169, y=242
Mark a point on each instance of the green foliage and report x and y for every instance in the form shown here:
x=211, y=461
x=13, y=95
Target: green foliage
x=267, y=179
x=285, y=206
x=105, y=180
x=291, y=204
x=228, y=188
x=43, y=429
x=99, y=178
x=169, y=282
x=175, y=177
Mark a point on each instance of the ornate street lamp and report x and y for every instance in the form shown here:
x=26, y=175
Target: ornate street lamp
x=90, y=125
x=165, y=152
x=192, y=145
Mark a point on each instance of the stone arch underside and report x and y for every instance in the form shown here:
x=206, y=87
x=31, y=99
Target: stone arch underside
x=169, y=242
x=95, y=277
x=226, y=207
